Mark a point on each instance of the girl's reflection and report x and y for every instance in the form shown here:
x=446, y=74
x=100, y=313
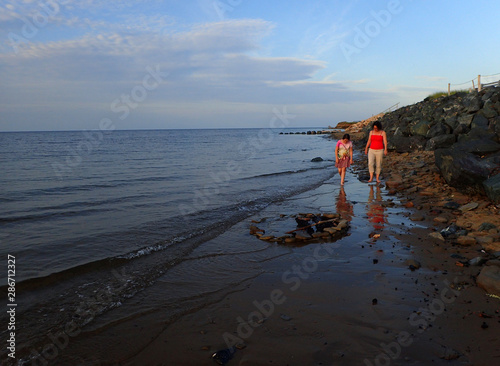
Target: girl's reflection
x=344, y=207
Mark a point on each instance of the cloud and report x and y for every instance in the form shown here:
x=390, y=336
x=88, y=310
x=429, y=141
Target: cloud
x=431, y=78
x=209, y=64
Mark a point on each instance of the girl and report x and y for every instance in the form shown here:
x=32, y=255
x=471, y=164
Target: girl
x=343, y=156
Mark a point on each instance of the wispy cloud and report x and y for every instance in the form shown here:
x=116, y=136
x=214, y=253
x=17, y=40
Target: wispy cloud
x=431, y=78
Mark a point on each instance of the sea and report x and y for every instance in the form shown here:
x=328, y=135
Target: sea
x=82, y=212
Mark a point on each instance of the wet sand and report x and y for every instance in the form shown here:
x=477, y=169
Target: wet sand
x=354, y=301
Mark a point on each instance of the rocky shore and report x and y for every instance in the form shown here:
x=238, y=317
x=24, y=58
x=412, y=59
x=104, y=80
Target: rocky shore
x=468, y=226
x=443, y=165
x=462, y=131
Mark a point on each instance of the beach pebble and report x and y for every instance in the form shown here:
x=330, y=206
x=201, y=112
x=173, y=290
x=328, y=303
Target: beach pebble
x=302, y=236
x=450, y=354
x=486, y=226
x=466, y=240
x=478, y=261
x=441, y=219
x=413, y=264
x=285, y=317
x=417, y=217
x=469, y=207
x=489, y=279
x=451, y=205
x=436, y=235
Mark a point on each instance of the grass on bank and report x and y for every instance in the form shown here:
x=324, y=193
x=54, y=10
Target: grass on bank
x=441, y=94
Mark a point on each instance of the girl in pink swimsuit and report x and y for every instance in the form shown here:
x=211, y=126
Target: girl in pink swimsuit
x=343, y=156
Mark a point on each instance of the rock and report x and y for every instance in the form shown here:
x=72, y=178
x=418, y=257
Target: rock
x=436, y=235
x=417, y=217
x=343, y=224
x=450, y=354
x=394, y=182
x=469, y=207
x=332, y=230
x=466, y=240
x=492, y=188
x=439, y=129
x=478, y=261
x=489, y=279
x=462, y=170
x=302, y=235
x=486, y=226
x=317, y=159
x=440, y=142
x=441, y=219
x=421, y=128
x=413, y=264
x=451, y=205
x=484, y=240
x=479, y=121
x=492, y=247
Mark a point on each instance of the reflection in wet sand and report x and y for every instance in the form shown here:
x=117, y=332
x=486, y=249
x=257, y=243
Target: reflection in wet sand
x=375, y=210
x=344, y=207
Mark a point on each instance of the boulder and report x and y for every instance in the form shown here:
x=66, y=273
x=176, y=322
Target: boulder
x=420, y=128
x=462, y=170
x=440, y=129
x=440, y=142
x=479, y=121
x=402, y=144
x=492, y=188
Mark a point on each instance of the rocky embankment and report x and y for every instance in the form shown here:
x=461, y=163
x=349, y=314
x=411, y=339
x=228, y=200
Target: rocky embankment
x=444, y=164
x=463, y=132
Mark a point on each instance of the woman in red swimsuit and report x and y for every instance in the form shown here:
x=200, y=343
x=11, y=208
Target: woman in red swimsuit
x=376, y=148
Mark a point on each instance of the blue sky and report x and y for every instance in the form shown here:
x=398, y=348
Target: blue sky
x=69, y=65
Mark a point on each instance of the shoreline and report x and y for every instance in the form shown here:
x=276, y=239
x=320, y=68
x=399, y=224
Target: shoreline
x=356, y=300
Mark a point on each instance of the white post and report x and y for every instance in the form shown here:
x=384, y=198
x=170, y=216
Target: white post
x=479, y=83
x=448, y=89
x=473, y=86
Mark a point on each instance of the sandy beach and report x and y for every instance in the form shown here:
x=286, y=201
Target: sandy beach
x=387, y=293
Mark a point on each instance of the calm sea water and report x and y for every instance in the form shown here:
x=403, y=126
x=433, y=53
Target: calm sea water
x=93, y=221
x=73, y=199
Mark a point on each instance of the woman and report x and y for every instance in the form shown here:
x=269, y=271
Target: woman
x=376, y=148
x=343, y=156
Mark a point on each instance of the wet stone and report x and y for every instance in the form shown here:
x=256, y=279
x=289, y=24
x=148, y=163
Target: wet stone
x=469, y=207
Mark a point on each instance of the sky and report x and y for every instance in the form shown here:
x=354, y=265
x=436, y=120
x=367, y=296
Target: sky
x=160, y=64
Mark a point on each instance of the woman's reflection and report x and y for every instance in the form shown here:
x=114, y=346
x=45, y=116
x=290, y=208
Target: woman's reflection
x=375, y=210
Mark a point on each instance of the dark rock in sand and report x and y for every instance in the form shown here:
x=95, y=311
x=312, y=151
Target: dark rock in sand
x=317, y=159
x=413, y=264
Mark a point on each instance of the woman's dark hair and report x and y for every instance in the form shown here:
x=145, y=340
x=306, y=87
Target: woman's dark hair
x=346, y=136
x=378, y=124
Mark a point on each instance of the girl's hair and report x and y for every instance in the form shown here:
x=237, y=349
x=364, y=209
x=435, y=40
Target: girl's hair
x=346, y=136
x=378, y=124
